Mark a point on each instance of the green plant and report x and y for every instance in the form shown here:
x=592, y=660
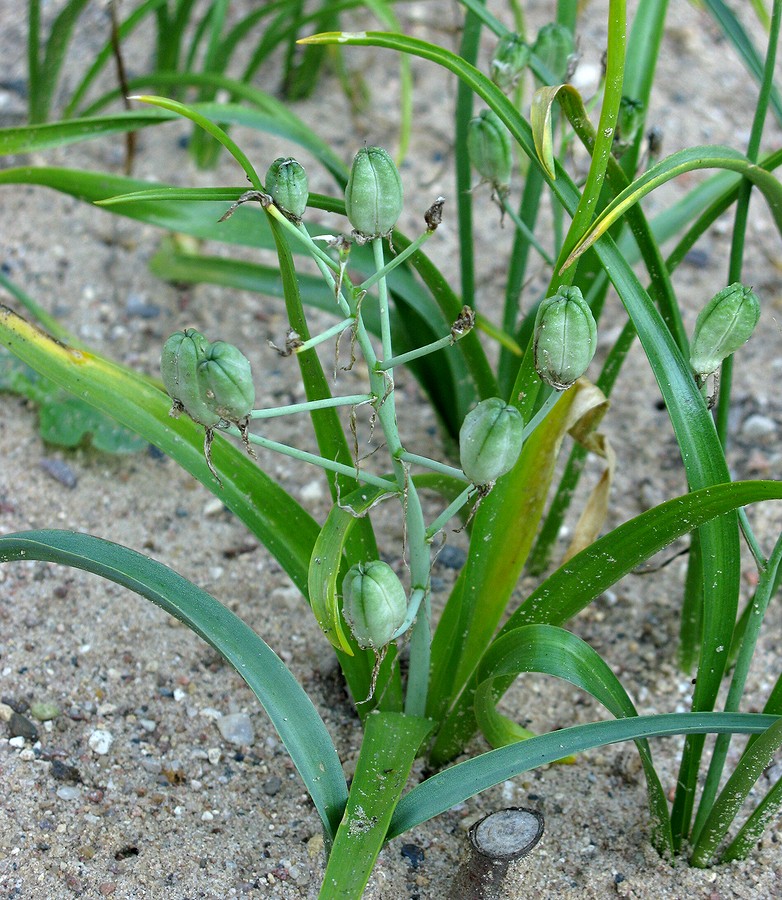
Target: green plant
x=459, y=665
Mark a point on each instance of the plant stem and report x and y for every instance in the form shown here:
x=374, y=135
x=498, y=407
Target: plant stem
x=382, y=294
x=549, y=404
x=396, y=261
x=404, y=358
x=433, y=464
x=449, y=512
x=325, y=335
x=524, y=229
x=310, y=405
x=304, y=456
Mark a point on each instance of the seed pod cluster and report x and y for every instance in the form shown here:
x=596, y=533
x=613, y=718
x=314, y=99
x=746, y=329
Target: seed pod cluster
x=374, y=603
x=565, y=338
x=210, y=382
x=373, y=196
x=490, y=440
x=286, y=182
x=723, y=325
x=489, y=149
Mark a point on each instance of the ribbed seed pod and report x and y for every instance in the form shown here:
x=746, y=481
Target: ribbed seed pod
x=374, y=603
x=565, y=338
x=509, y=61
x=373, y=196
x=723, y=325
x=226, y=381
x=489, y=149
x=182, y=353
x=553, y=47
x=490, y=440
x=286, y=182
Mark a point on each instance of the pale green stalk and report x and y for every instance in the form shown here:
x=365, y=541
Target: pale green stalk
x=434, y=465
x=404, y=358
x=449, y=512
x=325, y=335
x=304, y=456
x=396, y=261
x=310, y=405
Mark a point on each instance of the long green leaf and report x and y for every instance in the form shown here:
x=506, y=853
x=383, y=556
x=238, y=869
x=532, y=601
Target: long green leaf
x=388, y=750
x=300, y=727
x=32, y=138
x=279, y=522
x=464, y=780
x=687, y=160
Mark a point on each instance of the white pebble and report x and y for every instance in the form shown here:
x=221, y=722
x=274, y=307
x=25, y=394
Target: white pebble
x=17, y=742
x=67, y=792
x=213, y=755
x=100, y=741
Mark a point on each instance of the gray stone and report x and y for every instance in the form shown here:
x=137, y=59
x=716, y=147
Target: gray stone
x=237, y=729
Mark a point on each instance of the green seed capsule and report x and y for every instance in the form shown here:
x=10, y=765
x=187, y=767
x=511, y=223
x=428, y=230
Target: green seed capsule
x=723, y=325
x=373, y=197
x=554, y=47
x=509, y=61
x=287, y=183
x=489, y=149
x=182, y=354
x=490, y=440
x=565, y=338
x=374, y=603
x=226, y=381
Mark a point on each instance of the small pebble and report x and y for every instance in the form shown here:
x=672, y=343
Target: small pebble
x=44, y=711
x=21, y=726
x=5, y=712
x=68, y=792
x=137, y=306
x=17, y=742
x=413, y=854
x=237, y=729
x=213, y=754
x=272, y=785
x=758, y=428
x=100, y=741
x=59, y=471
x=61, y=771
x=153, y=766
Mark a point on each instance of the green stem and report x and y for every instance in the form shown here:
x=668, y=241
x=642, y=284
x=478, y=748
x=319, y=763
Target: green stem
x=433, y=464
x=304, y=456
x=526, y=232
x=549, y=404
x=409, y=250
x=310, y=405
x=382, y=295
x=325, y=335
x=404, y=358
x=604, y=138
x=449, y=512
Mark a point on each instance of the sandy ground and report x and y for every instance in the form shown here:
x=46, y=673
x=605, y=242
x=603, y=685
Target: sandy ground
x=172, y=808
